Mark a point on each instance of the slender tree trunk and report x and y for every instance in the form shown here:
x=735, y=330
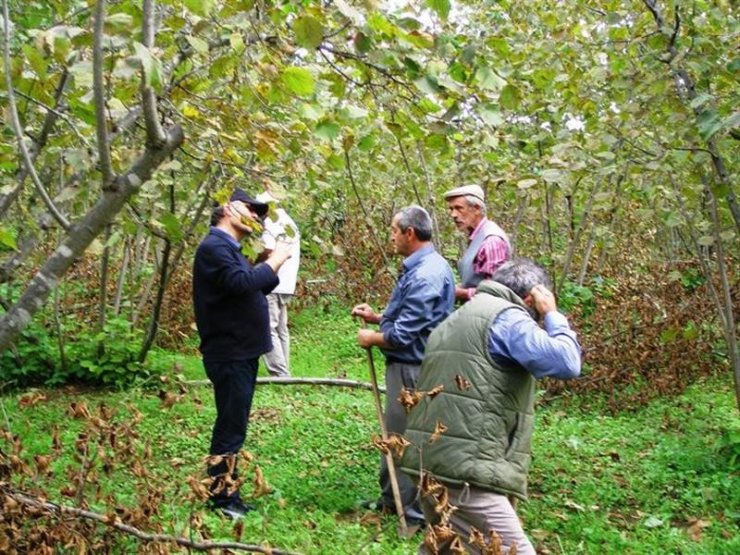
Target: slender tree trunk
x=431, y=204
x=120, y=283
x=151, y=333
x=103, y=292
x=370, y=228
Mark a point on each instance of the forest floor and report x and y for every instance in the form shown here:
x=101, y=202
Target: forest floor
x=659, y=478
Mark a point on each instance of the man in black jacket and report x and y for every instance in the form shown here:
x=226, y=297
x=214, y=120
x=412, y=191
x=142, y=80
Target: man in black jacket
x=233, y=324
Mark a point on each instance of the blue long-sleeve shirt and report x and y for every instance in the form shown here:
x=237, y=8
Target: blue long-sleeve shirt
x=229, y=300
x=422, y=298
x=552, y=352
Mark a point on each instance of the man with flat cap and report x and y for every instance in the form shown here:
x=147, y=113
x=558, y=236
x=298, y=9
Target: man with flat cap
x=234, y=327
x=488, y=244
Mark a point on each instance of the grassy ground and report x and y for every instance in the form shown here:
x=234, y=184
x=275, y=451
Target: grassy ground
x=654, y=480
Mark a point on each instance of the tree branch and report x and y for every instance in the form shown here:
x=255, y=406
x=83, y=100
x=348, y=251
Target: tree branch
x=15, y=120
x=339, y=382
x=154, y=133
x=104, y=157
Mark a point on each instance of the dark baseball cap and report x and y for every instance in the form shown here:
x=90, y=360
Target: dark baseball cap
x=241, y=195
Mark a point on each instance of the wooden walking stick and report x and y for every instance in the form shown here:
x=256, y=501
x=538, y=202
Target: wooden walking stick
x=403, y=530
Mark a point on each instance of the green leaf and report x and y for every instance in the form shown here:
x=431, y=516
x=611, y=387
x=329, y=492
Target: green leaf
x=709, y=123
x=172, y=226
x=309, y=32
x=354, y=112
x=487, y=79
x=7, y=238
x=118, y=22
x=526, y=183
x=442, y=7
x=701, y=99
x=149, y=65
x=199, y=7
x=380, y=24
x=36, y=60
x=82, y=73
x=366, y=143
x=491, y=115
x=299, y=80
x=510, y=97
x=199, y=45
x=311, y=111
x=327, y=130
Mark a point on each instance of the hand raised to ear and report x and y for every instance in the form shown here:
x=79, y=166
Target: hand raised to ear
x=543, y=299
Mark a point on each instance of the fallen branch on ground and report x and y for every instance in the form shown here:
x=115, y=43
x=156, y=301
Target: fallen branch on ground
x=114, y=522
x=304, y=381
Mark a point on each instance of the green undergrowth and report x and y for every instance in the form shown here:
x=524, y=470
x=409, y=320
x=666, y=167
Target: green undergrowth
x=661, y=478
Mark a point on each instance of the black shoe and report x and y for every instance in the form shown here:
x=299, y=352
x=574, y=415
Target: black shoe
x=413, y=521
x=234, y=510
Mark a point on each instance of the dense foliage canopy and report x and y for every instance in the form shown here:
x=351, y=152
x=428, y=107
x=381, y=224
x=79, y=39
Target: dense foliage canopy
x=605, y=137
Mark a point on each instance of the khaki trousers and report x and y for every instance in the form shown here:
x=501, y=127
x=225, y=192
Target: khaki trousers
x=485, y=511
x=277, y=361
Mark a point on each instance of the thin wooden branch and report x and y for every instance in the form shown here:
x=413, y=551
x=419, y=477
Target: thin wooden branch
x=339, y=382
x=115, y=522
x=104, y=157
x=155, y=135
x=17, y=129
x=371, y=230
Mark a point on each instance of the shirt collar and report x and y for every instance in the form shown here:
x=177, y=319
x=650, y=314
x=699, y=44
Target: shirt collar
x=233, y=242
x=478, y=228
x=414, y=259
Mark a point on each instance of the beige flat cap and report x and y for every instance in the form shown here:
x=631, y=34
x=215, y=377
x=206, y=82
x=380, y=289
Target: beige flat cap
x=466, y=190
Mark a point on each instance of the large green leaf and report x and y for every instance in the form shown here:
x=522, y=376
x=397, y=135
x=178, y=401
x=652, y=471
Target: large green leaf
x=309, y=32
x=199, y=7
x=442, y=7
x=299, y=80
x=327, y=130
x=7, y=237
x=510, y=97
x=709, y=122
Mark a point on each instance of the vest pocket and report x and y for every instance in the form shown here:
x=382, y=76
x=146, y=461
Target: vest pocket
x=520, y=437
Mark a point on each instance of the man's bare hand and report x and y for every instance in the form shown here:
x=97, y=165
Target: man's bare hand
x=366, y=312
x=366, y=338
x=543, y=299
x=279, y=254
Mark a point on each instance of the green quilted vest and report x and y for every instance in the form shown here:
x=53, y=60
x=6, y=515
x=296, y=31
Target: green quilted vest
x=487, y=407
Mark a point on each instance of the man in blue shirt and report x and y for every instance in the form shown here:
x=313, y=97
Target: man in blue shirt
x=234, y=328
x=422, y=298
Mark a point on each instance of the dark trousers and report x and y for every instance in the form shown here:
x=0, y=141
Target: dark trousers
x=398, y=375
x=233, y=389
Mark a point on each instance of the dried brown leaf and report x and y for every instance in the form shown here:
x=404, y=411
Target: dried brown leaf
x=462, y=383
x=456, y=546
x=79, y=410
x=409, y=399
x=439, y=429
x=31, y=398
x=261, y=487
x=435, y=391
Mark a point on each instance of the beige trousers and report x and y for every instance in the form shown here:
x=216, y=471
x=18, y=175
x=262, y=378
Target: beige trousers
x=485, y=511
x=277, y=361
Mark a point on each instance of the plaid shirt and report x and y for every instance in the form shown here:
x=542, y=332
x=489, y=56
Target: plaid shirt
x=493, y=252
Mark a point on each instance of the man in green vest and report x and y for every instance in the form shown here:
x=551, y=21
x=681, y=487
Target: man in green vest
x=470, y=439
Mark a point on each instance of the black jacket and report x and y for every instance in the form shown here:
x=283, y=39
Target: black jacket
x=229, y=300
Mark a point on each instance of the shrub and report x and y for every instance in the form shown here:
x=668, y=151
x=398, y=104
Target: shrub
x=90, y=356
